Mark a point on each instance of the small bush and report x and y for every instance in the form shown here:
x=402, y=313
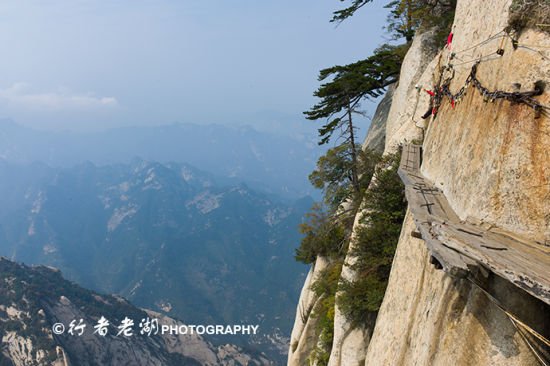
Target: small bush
x=325, y=288
x=322, y=236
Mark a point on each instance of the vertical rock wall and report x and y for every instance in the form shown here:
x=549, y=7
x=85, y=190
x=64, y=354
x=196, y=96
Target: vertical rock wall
x=304, y=334
x=492, y=159
x=489, y=160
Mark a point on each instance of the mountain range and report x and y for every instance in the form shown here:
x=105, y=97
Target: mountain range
x=272, y=162
x=167, y=237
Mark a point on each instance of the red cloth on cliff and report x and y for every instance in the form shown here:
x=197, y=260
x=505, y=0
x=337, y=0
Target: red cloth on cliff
x=449, y=40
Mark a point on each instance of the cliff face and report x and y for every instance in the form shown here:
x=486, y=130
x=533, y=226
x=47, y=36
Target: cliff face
x=496, y=152
x=491, y=160
x=430, y=318
x=376, y=135
x=304, y=336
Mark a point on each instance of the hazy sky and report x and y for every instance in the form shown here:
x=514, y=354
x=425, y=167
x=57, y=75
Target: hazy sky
x=92, y=64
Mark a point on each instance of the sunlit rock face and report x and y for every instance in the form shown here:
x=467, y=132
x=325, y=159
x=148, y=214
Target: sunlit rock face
x=495, y=151
x=304, y=334
x=489, y=160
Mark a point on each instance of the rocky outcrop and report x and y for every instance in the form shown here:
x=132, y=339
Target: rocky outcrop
x=304, y=334
x=20, y=350
x=34, y=299
x=376, y=134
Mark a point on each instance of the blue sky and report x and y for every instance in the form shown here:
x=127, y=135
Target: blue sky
x=89, y=65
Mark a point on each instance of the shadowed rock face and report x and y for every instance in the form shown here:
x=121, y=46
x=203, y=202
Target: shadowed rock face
x=33, y=299
x=376, y=135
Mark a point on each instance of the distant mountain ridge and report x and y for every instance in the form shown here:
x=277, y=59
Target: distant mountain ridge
x=275, y=163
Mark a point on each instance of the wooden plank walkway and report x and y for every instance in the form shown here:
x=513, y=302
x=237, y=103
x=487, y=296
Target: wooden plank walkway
x=463, y=248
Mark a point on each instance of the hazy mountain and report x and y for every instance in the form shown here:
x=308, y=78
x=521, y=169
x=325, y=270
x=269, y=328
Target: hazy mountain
x=33, y=299
x=270, y=161
x=166, y=236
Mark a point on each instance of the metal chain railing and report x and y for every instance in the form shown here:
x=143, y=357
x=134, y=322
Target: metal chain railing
x=526, y=98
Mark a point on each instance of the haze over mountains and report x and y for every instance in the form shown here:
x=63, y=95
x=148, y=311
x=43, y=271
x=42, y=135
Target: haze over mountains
x=212, y=246
x=276, y=163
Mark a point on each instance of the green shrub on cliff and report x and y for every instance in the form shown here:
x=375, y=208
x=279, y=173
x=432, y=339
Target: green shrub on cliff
x=375, y=243
x=383, y=210
x=321, y=236
x=328, y=224
x=325, y=288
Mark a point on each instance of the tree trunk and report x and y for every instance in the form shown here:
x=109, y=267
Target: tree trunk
x=354, y=165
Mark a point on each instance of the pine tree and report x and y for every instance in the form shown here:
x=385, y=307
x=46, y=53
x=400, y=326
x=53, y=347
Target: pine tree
x=343, y=14
x=341, y=97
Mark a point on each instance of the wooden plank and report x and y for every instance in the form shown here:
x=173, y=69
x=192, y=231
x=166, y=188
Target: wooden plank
x=451, y=261
x=426, y=206
x=526, y=267
x=461, y=247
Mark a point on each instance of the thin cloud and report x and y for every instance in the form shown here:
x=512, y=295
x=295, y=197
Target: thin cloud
x=21, y=95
